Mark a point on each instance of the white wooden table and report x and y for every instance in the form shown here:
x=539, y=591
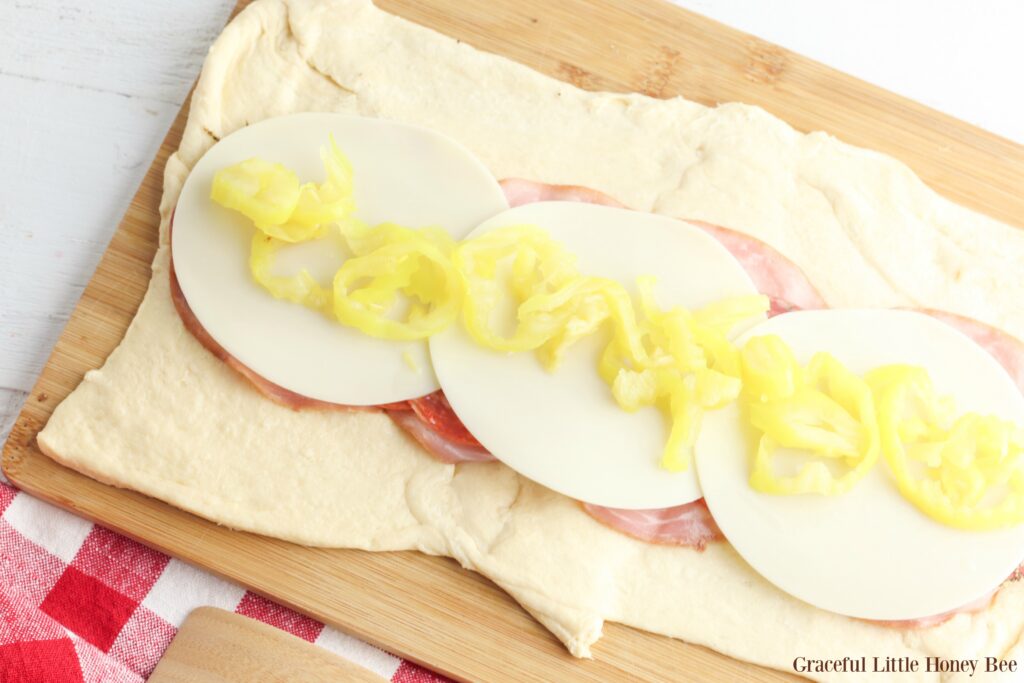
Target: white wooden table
x=87, y=90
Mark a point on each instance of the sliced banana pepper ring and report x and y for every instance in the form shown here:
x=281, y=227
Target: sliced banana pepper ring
x=823, y=410
x=966, y=471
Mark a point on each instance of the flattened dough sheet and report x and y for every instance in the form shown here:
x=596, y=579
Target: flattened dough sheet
x=164, y=417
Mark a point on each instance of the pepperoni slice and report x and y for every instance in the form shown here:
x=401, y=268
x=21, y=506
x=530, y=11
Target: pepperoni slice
x=437, y=445
x=434, y=410
x=689, y=525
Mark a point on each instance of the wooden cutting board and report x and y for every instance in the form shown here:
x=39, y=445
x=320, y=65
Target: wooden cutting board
x=214, y=646
x=428, y=609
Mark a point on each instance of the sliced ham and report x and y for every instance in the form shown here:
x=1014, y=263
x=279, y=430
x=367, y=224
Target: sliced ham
x=436, y=444
x=690, y=524
x=518, y=192
x=1003, y=346
x=773, y=274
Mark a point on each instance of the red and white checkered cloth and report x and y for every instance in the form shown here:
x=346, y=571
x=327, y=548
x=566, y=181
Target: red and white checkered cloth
x=82, y=604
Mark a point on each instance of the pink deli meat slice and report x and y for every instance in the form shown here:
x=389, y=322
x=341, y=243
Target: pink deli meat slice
x=690, y=524
x=441, y=448
x=1003, y=346
x=934, y=620
x=773, y=274
x=518, y=192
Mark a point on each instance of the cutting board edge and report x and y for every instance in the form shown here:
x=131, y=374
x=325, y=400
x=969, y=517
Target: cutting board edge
x=17, y=452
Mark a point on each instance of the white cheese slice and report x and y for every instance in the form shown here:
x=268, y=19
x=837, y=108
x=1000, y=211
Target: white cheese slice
x=564, y=429
x=869, y=553
x=405, y=174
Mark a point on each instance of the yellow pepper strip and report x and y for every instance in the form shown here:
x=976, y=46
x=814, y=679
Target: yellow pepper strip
x=262, y=191
x=578, y=309
x=269, y=194
x=678, y=361
x=966, y=472
x=685, y=365
x=330, y=201
x=539, y=268
x=391, y=260
x=823, y=410
x=770, y=370
x=390, y=263
x=685, y=413
x=300, y=288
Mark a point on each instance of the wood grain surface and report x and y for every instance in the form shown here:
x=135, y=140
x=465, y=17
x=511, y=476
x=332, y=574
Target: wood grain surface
x=428, y=609
x=215, y=646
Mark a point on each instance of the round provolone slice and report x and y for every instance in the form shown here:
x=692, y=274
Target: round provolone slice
x=868, y=553
x=563, y=429
x=404, y=174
